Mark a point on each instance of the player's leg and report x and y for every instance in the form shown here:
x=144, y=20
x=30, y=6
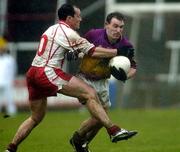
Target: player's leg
x=92, y=133
x=87, y=131
x=87, y=95
x=38, y=108
x=90, y=127
x=1, y=99
x=11, y=107
x=81, y=138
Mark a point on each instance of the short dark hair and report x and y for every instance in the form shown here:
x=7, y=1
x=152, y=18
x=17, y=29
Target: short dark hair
x=66, y=10
x=116, y=15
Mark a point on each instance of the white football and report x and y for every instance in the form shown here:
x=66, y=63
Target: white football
x=120, y=62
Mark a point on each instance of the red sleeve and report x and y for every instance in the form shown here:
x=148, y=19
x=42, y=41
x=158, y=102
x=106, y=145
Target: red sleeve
x=91, y=51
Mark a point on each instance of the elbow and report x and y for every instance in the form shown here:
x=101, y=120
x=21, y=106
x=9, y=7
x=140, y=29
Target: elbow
x=91, y=51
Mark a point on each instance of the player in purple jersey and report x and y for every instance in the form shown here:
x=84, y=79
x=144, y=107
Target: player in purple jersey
x=95, y=72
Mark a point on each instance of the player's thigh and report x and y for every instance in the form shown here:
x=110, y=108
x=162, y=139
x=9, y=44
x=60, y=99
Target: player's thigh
x=38, y=109
x=77, y=88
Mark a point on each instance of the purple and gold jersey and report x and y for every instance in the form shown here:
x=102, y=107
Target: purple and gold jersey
x=97, y=68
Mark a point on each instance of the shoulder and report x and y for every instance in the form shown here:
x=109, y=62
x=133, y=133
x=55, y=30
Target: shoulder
x=63, y=32
x=51, y=28
x=94, y=32
x=125, y=41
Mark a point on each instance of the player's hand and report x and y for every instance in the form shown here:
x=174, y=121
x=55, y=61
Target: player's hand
x=119, y=74
x=71, y=55
x=127, y=51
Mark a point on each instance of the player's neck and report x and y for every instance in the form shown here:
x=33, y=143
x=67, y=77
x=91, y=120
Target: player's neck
x=112, y=41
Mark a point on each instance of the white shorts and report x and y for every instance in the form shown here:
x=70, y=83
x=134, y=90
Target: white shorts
x=101, y=87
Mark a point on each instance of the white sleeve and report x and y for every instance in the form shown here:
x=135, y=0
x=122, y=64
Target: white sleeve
x=83, y=45
x=70, y=40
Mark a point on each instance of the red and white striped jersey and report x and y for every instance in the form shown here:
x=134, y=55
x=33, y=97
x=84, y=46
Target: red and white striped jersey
x=55, y=42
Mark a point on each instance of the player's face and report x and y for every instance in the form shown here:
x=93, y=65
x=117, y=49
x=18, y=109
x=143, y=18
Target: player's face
x=114, y=29
x=75, y=21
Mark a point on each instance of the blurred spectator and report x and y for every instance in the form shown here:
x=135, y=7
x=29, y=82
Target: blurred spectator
x=7, y=76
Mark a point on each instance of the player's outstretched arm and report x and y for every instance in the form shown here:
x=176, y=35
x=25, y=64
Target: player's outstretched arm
x=108, y=53
x=100, y=52
x=97, y=52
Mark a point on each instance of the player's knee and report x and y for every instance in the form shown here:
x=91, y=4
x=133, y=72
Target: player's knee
x=91, y=95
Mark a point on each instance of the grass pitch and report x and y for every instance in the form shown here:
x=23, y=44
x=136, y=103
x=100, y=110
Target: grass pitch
x=159, y=131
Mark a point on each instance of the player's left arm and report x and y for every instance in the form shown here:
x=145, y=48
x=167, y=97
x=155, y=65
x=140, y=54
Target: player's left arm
x=131, y=55
x=133, y=69
x=99, y=52
x=131, y=73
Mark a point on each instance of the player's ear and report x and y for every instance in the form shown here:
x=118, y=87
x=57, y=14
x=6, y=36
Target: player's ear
x=105, y=24
x=69, y=18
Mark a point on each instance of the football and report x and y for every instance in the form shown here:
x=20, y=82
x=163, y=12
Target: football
x=120, y=62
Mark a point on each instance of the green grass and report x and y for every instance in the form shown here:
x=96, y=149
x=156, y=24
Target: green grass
x=159, y=131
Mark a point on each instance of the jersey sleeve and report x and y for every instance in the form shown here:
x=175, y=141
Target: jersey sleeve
x=71, y=40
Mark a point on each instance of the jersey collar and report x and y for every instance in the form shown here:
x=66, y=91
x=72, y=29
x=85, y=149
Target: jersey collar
x=62, y=22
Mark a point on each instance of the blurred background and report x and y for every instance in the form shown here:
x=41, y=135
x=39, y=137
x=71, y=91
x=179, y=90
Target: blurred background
x=151, y=25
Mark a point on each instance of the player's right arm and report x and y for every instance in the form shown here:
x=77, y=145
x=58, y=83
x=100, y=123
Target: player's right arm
x=100, y=52
x=76, y=43
x=71, y=41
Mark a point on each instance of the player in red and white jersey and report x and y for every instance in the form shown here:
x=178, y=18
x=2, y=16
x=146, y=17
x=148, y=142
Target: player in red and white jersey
x=47, y=76
x=55, y=42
